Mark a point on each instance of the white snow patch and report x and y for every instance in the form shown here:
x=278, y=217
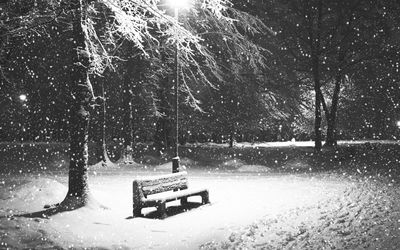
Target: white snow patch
x=32, y=196
x=254, y=169
x=232, y=164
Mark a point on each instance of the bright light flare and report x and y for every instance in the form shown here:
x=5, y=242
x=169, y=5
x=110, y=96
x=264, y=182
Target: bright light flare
x=22, y=97
x=179, y=4
x=398, y=124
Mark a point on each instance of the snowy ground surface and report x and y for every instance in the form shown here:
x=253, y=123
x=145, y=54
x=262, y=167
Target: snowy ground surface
x=262, y=196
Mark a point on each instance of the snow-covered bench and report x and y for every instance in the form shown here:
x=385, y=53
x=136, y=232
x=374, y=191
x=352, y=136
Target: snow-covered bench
x=157, y=191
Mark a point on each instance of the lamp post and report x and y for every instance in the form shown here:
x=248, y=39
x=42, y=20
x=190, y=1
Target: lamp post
x=176, y=5
x=23, y=99
x=175, y=160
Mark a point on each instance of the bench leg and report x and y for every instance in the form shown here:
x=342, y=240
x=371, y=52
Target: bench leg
x=162, y=210
x=205, y=198
x=184, y=201
x=137, y=212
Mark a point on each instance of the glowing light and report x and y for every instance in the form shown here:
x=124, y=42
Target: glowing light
x=22, y=97
x=398, y=124
x=178, y=4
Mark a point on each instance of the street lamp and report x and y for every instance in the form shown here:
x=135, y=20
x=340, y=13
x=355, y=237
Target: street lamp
x=176, y=5
x=22, y=97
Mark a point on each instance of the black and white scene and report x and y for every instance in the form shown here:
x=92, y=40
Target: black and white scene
x=199, y=124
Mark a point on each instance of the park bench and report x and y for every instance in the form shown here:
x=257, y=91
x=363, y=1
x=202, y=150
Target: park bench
x=157, y=191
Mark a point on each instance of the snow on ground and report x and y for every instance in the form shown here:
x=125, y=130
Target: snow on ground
x=364, y=215
x=252, y=206
x=292, y=143
x=237, y=200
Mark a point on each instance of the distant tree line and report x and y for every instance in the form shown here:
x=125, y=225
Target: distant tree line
x=326, y=69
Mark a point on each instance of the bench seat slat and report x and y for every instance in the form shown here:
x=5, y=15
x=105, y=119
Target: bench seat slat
x=158, y=178
x=164, y=186
x=166, y=197
x=163, y=183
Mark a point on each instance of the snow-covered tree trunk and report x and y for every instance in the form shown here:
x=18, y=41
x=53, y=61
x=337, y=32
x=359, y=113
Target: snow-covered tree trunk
x=102, y=147
x=82, y=95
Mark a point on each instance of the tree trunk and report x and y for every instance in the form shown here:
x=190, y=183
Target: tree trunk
x=103, y=143
x=132, y=79
x=315, y=52
x=318, y=117
x=231, y=139
x=128, y=115
x=331, y=139
x=82, y=93
x=163, y=135
x=127, y=102
x=232, y=136
x=331, y=136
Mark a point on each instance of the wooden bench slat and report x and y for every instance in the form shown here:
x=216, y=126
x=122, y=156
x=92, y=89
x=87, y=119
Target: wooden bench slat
x=163, y=183
x=157, y=178
x=174, y=196
x=164, y=187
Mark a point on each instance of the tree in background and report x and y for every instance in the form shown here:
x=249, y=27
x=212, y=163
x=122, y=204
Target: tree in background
x=227, y=63
x=299, y=31
x=357, y=28
x=326, y=42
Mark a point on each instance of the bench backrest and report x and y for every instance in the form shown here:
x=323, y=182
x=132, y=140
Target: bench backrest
x=160, y=183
